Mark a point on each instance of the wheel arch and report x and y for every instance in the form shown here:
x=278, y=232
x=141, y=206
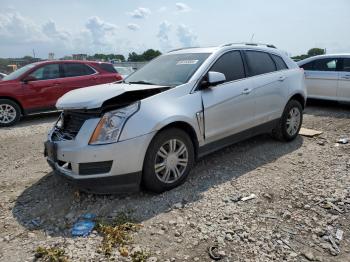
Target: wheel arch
x=186, y=127
x=300, y=98
x=14, y=100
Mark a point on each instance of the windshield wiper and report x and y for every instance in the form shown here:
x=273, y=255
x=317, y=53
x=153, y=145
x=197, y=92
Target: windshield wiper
x=141, y=83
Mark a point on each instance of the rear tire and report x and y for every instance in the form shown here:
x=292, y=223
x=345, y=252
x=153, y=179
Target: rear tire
x=168, y=160
x=10, y=112
x=290, y=123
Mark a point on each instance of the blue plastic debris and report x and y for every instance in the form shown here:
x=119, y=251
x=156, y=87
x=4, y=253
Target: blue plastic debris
x=83, y=226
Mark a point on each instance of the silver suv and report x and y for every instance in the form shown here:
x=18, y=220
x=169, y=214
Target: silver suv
x=151, y=128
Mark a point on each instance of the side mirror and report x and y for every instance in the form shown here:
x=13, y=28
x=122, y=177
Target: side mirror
x=29, y=79
x=212, y=79
x=216, y=78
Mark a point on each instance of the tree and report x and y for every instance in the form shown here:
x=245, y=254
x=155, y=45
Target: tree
x=315, y=51
x=151, y=54
x=145, y=56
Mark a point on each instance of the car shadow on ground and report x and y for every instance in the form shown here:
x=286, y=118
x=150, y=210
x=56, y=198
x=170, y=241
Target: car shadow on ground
x=326, y=108
x=52, y=205
x=36, y=119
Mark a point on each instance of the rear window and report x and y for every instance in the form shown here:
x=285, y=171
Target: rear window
x=108, y=67
x=280, y=64
x=346, y=65
x=72, y=69
x=259, y=63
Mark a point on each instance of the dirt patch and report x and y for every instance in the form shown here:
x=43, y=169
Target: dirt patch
x=300, y=210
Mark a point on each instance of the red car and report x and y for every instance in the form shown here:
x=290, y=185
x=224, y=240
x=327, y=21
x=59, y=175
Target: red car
x=36, y=87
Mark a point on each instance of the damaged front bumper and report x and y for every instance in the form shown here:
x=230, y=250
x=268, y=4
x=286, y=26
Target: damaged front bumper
x=103, y=169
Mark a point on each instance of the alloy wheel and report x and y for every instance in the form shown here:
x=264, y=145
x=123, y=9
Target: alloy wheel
x=7, y=113
x=171, y=161
x=293, y=121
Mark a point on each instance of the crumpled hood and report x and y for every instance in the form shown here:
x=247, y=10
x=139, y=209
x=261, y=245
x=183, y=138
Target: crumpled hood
x=94, y=96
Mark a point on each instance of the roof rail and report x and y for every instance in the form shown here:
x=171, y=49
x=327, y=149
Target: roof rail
x=182, y=48
x=250, y=43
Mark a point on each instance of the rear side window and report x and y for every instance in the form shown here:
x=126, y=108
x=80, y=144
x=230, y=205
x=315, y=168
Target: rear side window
x=327, y=64
x=231, y=65
x=72, y=69
x=346, y=65
x=108, y=67
x=259, y=63
x=46, y=72
x=280, y=64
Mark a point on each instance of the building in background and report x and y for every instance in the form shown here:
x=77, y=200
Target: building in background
x=79, y=56
x=51, y=56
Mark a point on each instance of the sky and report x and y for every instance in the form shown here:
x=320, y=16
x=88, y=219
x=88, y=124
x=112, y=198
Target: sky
x=65, y=27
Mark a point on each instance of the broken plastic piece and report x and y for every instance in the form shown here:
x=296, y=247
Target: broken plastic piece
x=252, y=196
x=83, y=226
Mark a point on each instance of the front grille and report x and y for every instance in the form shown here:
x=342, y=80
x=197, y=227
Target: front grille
x=95, y=168
x=72, y=123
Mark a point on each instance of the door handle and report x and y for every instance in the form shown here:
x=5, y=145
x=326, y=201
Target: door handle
x=346, y=77
x=246, y=91
x=281, y=78
x=56, y=83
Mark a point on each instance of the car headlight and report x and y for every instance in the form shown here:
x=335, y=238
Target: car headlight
x=111, y=124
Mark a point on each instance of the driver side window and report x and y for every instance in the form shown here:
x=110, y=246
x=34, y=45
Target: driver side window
x=46, y=72
x=231, y=65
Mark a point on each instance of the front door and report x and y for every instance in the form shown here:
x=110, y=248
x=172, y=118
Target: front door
x=41, y=89
x=343, y=92
x=321, y=78
x=228, y=107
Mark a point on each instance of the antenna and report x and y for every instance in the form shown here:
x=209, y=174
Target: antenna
x=251, y=39
x=33, y=53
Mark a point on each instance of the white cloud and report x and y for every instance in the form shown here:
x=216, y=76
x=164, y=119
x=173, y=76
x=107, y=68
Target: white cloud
x=133, y=27
x=186, y=36
x=163, y=35
x=15, y=29
x=140, y=13
x=51, y=31
x=101, y=32
x=182, y=7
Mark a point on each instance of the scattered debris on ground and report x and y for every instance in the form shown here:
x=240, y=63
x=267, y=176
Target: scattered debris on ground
x=300, y=210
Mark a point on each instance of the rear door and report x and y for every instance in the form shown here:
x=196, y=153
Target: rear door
x=321, y=78
x=269, y=75
x=77, y=75
x=343, y=92
x=228, y=107
x=41, y=90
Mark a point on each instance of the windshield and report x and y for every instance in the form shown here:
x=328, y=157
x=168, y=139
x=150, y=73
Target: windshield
x=169, y=70
x=18, y=73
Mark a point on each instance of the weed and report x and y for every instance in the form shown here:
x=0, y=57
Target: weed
x=140, y=256
x=52, y=254
x=116, y=233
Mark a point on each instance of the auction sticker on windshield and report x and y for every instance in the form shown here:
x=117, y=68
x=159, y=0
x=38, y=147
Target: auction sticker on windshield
x=187, y=62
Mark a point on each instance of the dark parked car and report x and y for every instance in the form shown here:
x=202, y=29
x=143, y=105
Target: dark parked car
x=36, y=87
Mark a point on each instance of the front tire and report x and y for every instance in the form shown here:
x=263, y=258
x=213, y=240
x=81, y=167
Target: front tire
x=168, y=160
x=290, y=123
x=10, y=112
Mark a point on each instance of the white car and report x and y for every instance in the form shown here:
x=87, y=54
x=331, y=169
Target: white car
x=182, y=105
x=2, y=75
x=124, y=71
x=327, y=76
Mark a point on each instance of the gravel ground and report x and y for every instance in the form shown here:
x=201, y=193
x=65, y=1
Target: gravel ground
x=300, y=209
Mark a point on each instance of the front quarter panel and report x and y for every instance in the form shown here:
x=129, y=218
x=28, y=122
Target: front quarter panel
x=158, y=111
